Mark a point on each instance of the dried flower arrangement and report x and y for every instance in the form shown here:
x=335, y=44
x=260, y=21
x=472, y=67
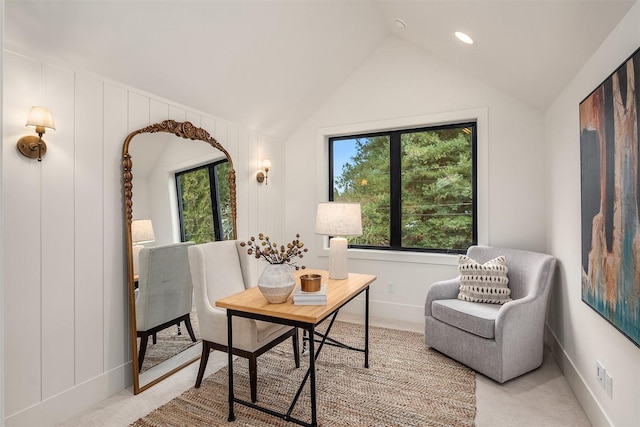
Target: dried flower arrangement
x=270, y=252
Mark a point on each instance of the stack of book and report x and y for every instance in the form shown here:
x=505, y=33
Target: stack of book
x=310, y=298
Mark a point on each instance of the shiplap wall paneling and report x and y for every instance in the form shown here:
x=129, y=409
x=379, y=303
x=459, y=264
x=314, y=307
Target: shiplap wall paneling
x=21, y=185
x=254, y=165
x=139, y=106
x=158, y=111
x=89, y=235
x=241, y=165
x=208, y=124
x=176, y=113
x=269, y=196
x=58, y=358
x=65, y=300
x=272, y=194
x=116, y=308
x=195, y=119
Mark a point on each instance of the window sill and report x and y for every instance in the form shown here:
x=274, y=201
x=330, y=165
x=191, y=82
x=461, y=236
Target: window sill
x=398, y=256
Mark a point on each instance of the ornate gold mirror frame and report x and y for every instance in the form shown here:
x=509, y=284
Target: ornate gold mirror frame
x=184, y=130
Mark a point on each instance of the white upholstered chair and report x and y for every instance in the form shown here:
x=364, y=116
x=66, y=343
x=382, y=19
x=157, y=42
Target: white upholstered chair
x=165, y=292
x=220, y=269
x=499, y=341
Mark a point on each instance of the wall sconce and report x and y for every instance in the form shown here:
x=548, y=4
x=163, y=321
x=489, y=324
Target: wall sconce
x=263, y=176
x=31, y=146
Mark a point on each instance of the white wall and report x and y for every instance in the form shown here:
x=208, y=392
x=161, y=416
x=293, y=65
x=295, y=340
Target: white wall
x=399, y=81
x=65, y=307
x=1, y=229
x=580, y=334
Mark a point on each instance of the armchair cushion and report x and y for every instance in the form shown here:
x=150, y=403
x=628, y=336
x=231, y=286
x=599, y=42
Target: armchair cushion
x=486, y=282
x=476, y=318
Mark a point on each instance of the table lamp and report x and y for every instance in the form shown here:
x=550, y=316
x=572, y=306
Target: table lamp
x=336, y=219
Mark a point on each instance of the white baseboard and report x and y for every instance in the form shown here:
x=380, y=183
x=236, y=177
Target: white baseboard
x=71, y=402
x=588, y=401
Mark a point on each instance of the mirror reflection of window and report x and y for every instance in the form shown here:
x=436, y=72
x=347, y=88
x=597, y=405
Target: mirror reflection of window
x=204, y=203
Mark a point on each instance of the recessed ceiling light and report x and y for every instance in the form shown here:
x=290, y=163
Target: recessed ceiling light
x=464, y=38
x=401, y=24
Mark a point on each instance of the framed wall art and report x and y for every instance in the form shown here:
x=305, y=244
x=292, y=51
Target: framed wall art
x=610, y=195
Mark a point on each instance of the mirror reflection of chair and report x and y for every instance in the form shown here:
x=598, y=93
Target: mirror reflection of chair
x=220, y=269
x=165, y=292
x=499, y=341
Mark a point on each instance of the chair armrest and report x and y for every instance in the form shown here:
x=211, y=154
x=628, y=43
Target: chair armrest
x=445, y=289
x=520, y=318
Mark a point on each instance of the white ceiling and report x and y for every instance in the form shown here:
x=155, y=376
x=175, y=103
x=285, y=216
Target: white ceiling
x=270, y=64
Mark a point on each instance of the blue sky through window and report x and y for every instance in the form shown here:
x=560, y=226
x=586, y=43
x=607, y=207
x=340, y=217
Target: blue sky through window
x=343, y=152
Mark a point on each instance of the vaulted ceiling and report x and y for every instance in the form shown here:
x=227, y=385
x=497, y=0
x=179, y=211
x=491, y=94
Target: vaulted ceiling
x=269, y=64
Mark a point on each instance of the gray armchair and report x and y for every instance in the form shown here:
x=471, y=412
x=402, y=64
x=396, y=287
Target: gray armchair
x=165, y=292
x=499, y=341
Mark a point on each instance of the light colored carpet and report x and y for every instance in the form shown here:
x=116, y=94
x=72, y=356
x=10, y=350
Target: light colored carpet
x=541, y=398
x=407, y=384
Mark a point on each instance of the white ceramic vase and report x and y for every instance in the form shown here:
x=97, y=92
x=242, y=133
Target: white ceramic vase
x=277, y=282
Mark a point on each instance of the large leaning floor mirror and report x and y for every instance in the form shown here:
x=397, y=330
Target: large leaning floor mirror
x=179, y=189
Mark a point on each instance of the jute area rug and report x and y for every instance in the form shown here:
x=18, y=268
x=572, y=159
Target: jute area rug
x=406, y=384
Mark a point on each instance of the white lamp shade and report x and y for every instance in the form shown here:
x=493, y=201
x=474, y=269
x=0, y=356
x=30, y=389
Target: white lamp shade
x=142, y=231
x=266, y=164
x=339, y=219
x=41, y=117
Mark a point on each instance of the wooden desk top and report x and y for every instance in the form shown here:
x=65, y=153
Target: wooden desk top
x=338, y=291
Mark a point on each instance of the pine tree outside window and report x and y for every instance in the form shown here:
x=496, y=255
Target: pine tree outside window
x=417, y=187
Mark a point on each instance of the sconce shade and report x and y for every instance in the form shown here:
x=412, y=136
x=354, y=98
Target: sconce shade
x=266, y=164
x=142, y=231
x=339, y=219
x=41, y=118
x=32, y=146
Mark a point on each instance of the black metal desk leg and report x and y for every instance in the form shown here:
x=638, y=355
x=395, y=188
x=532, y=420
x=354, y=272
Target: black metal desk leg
x=232, y=416
x=304, y=341
x=312, y=369
x=366, y=328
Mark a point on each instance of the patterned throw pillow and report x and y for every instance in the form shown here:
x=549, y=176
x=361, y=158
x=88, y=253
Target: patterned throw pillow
x=484, y=282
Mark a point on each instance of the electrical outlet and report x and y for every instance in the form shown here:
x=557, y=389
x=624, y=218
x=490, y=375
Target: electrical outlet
x=600, y=373
x=608, y=384
x=391, y=288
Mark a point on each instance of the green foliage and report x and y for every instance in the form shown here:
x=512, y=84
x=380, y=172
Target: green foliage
x=222, y=171
x=197, y=208
x=197, y=213
x=436, y=186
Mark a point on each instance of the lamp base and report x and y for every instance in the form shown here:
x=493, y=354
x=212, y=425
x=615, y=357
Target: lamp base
x=28, y=146
x=338, y=261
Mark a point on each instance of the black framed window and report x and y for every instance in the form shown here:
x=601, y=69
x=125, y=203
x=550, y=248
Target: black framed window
x=204, y=203
x=417, y=187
